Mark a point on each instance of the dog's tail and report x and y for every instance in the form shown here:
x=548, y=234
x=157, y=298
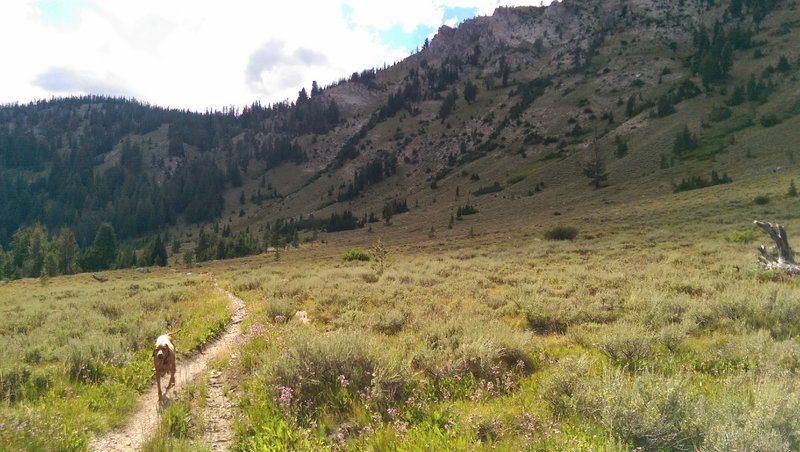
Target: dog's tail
x=172, y=333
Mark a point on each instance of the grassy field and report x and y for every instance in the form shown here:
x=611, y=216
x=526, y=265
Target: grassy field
x=75, y=352
x=654, y=328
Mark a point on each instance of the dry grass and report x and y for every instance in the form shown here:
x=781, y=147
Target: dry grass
x=645, y=337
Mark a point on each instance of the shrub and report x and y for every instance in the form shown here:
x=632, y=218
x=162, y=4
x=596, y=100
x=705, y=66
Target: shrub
x=482, y=350
x=313, y=365
x=621, y=149
x=757, y=417
x=696, y=182
x=83, y=367
x=12, y=382
x=770, y=120
x=627, y=344
x=685, y=141
x=390, y=322
x=494, y=188
x=719, y=113
x=561, y=232
x=653, y=411
x=355, y=254
x=743, y=237
x=549, y=315
x=279, y=310
x=563, y=382
x=761, y=200
x=380, y=257
x=467, y=209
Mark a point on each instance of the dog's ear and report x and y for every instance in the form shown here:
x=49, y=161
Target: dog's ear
x=155, y=350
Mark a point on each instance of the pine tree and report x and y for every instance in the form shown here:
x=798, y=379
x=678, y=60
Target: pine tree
x=66, y=252
x=470, y=92
x=157, y=254
x=630, y=106
x=37, y=251
x=105, y=243
x=595, y=167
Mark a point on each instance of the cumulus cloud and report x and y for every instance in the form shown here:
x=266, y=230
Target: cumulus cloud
x=310, y=57
x=265, y=58
x=59, y=80
x=272, y=62
x=202, y=54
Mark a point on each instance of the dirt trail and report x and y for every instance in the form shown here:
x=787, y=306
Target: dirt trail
x=144, y=422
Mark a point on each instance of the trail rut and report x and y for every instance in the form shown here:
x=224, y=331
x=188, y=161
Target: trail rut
x=144, y=421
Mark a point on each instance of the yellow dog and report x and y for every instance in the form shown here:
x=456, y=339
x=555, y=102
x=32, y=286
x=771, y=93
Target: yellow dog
x=164, y=361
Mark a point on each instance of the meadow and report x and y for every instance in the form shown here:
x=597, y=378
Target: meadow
x=76, y=352
x=653, y=328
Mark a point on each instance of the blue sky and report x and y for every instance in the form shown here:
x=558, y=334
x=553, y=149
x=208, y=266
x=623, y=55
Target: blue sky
x=204, y=54
x=62, y=12
x=397, y=36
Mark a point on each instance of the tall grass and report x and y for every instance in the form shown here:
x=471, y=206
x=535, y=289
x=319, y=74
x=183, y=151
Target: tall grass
x=612, y=342
x=74, y=353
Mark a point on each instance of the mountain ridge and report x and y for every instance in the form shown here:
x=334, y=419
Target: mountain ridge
x=553, y=90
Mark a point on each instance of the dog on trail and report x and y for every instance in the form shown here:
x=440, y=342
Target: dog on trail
x=164, y=361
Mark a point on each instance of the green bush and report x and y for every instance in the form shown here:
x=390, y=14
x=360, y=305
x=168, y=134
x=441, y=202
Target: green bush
x=627, y=344
x=389, y=322
x=561, y=232
x=719, y=113
x=482, y=350
x=757, y=417
x=355, y=254
x=770, y=120
x=279, y=310
x=697, y=182
x=485, y=190
x=653, y=411
x=13, y=381
x=761, y=200
x=563, y=381
x=313, y=366
x=743, y=237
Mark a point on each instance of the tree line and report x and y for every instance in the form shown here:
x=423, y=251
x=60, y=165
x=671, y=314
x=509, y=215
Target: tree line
x=34, y=253
x=55, y=155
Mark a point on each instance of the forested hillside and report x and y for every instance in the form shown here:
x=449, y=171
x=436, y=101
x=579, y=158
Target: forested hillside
x=511, y=113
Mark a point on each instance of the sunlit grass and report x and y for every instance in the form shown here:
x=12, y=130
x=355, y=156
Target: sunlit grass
x=76, y=353
x=657, y=338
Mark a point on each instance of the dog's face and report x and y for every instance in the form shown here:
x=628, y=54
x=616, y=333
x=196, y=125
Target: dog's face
x=161, y=353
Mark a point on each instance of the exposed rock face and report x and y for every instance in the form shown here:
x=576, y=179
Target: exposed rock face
x=564, y=26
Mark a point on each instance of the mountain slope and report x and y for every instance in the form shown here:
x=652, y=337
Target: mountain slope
x=544, y=109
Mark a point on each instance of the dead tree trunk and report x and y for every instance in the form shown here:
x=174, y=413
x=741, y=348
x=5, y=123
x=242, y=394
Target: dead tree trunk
x=784, y=260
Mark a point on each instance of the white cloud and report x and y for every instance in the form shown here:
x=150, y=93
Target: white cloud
x=202, y=54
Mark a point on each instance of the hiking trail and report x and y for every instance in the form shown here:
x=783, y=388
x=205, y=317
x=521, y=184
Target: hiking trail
x=144, y=421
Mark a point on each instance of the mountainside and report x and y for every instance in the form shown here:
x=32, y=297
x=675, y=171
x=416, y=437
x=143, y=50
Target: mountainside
x=529, y=112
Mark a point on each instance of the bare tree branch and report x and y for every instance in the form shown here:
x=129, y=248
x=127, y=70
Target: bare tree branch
x=784, y=259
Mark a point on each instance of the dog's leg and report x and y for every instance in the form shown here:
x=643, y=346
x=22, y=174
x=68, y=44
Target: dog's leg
x=171, y=378
x=158, y=383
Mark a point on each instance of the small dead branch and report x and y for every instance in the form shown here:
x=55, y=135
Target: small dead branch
x=99, y=278
x=783, y=256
